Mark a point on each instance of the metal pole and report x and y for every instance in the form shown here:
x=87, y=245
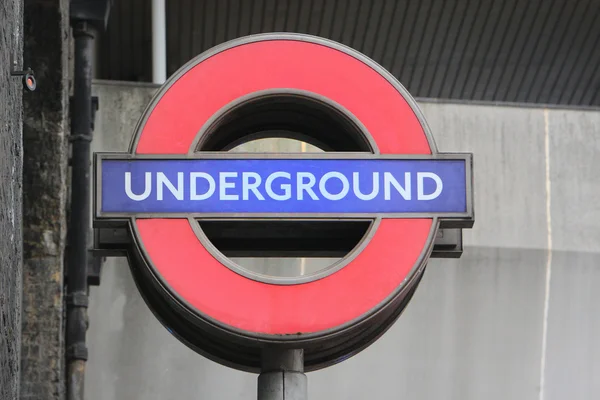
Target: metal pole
x=159, y=42
x=79, y=224
x=282, y=376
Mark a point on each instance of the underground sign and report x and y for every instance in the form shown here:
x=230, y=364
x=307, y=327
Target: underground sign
x=178, y=190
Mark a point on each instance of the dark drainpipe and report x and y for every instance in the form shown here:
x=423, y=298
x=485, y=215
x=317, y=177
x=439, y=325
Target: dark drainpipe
x=79, y=226
x=87, y=17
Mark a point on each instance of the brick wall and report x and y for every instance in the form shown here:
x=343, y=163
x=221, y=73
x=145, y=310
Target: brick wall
x=45, y=127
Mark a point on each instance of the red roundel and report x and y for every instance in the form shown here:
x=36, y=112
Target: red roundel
x=216, y=292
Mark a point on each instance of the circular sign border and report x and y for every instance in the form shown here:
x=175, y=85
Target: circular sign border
x=416, y=268
x=324, y=272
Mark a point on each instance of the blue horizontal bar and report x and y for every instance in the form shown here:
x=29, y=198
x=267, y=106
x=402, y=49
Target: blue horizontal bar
x=271, y=186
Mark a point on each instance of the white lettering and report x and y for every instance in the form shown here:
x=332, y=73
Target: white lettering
x=356, y=188
x=342, y=193
x=302, y=187
x=211, y=186
x=389, y=181
x=420, y=185
x=253, y=187
x=224, y=185
x=162, y=180
x=306, y=187
x=147, y=187
x=287, y=188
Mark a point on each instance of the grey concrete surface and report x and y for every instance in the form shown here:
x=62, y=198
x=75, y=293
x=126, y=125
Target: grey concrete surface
x=509, y=168
x=120, y=107
x=486, y=326
x=472, y=331
x=574, y=166
x=572, y=365
x=11, y=181
x=132, y=356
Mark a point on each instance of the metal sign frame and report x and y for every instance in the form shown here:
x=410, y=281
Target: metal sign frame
x=447, y=220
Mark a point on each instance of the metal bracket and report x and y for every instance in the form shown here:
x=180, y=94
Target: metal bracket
x=94, y=268
x=28, y=78
x=95, y=262
x=95, y=107
x=78, y=351
x=78, y=299
x=114, y=241
x=15, y=72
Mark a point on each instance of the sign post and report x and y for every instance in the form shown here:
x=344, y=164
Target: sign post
x=380, y=196
x=282, y=375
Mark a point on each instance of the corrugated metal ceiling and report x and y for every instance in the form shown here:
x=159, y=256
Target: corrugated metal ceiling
x=532, y=51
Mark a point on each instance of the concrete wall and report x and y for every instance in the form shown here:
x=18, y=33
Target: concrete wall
x=515, y=318
x=11, y=161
